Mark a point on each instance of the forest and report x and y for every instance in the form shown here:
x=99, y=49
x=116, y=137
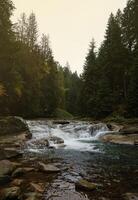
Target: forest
x=34, y=84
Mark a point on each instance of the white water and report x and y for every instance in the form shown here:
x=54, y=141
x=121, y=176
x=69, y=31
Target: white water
x=76, y=135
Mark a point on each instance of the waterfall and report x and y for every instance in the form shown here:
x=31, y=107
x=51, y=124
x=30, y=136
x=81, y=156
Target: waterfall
x=76, y=135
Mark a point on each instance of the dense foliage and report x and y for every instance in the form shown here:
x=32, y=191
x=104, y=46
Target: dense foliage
x=31, y=81
x=33, y=84
x=110, y=76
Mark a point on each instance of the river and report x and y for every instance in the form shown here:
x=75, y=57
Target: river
x=114, y=168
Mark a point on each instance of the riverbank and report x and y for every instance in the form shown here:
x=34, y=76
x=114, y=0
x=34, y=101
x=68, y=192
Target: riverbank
x=30, y=169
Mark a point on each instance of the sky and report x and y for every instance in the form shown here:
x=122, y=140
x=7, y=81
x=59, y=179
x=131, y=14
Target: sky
x=71, y=25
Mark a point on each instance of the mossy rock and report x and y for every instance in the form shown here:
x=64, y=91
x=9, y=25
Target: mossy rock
x=13, y=125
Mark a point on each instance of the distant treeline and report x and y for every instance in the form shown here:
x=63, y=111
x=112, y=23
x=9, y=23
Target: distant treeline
x=33, y=84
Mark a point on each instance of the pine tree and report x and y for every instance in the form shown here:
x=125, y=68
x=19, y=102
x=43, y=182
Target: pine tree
x=32, y=32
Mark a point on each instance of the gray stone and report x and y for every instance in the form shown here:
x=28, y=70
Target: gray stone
x=48, y=168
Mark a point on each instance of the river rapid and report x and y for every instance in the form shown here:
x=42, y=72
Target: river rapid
x=114, y=168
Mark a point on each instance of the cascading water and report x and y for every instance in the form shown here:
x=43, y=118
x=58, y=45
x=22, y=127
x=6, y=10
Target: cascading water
x=82, y=157
x=76, y=135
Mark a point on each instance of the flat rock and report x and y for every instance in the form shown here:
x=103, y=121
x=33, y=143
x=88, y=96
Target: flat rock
x=85, y=185
x=49, y=168
x=7, y=167
x=11, y=193
x=129, y=130
x=131, y=196
x=120, y=139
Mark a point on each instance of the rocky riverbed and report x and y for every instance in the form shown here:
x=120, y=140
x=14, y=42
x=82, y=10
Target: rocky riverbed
x=58, y=161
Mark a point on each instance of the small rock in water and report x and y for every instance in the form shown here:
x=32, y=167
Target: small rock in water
x=131, y=196
x=56, y=140
x=85, y=185
x=48, y=168
x=42, y=142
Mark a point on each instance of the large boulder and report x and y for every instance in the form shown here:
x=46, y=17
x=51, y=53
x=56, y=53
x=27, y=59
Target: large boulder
x=13, y=126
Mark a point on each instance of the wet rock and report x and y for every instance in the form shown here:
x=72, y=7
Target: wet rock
x=7, y=167
x=56, y=140
x=120, y=139
x=129, y=130
x=11, y=193
x=131, y=196
x=48, y=168
x=13, y=125
x=37, y=187
x=17, y=182
x=85, y=185
x=114, y=127
x=62, y=122
x=41, y=143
